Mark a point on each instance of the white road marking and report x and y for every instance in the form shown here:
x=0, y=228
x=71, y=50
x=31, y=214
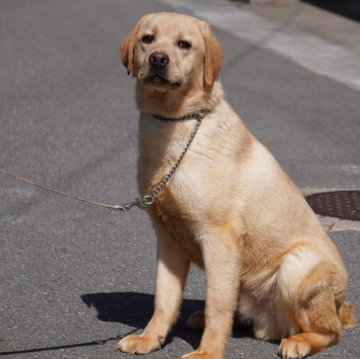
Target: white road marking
x=311, y=52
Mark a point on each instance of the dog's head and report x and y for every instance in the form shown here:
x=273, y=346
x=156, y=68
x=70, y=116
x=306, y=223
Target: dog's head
x=170, y=51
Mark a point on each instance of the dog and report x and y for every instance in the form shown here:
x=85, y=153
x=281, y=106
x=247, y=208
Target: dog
x=229, y=207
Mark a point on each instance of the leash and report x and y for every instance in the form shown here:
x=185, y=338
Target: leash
x=142, y=202
x=49, y=189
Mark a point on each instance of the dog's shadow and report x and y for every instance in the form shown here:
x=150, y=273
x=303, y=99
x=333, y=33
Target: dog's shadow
x=135, y=310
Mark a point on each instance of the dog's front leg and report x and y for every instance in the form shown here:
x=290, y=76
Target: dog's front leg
x=222, y=266
x=171, y=275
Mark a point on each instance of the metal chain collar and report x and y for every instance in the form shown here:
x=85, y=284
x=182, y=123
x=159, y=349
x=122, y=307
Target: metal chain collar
x=147, y=199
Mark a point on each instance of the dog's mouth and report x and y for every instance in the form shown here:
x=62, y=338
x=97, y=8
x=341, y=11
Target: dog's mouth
x=156, y=78
x=161, y=79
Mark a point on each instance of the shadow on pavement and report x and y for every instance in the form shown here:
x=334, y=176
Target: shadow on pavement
x=347, y=8
x=135, y=310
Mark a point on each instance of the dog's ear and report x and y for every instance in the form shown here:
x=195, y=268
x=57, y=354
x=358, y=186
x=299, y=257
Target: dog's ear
x=213, y=56
x=127, y=47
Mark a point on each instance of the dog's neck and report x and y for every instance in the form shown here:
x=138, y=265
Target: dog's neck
x=177, y=103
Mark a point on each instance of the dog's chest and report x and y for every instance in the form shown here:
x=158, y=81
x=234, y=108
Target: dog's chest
x=176, y=209
x=181, y=204
x=179, y=224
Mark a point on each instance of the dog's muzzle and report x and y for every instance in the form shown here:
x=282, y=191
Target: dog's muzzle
x=158, y=70
x=158, y=63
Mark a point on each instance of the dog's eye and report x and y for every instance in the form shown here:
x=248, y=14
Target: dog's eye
x=147, y=39
x=184, y=44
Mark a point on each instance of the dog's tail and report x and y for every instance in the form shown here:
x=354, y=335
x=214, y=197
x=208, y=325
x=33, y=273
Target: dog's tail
x=347, y=316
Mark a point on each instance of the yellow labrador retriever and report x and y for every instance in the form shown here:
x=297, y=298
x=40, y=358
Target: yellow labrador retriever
x=229, y=208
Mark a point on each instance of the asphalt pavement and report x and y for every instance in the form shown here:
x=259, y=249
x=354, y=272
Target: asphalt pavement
x=75, y=277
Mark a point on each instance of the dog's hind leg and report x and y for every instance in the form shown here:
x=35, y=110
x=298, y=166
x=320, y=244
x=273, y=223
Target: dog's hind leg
x=320, y=326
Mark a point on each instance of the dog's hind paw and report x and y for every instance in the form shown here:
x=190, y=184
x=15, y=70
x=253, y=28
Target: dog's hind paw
x=196, y=321
x=293, y=349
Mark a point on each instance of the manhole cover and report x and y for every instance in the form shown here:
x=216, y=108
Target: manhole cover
x=340, y=204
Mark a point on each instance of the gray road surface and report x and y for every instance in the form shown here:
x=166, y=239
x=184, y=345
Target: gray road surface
x=73, y=277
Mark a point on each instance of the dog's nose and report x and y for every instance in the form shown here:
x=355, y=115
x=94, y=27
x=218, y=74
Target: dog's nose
x=159, y=59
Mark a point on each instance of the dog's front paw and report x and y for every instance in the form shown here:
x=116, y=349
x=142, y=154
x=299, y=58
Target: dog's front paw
x=138, y=344
x=292, y=348
x=200, y=354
